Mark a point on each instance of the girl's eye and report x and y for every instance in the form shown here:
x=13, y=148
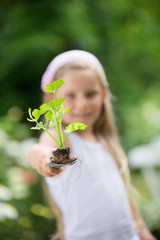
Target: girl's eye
x=90, y=94
x=70, y=96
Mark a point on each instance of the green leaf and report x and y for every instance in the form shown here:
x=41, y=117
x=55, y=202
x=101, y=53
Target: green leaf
x=67, y=109
x=61, y=109
x=69, y=128
x=36, y=114
x=52, y=123
x=45, y=107
x=61, y=100
x=56, y=102
x=38, y=126
x=49, y=115
x=50, y=88
x=58, y=83
x=74, y=127
x=54, y=86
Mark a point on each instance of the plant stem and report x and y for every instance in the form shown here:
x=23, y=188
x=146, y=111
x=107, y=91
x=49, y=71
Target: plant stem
x=66, y=137
x=61, y=133
x=52, y=137
x=59, y=136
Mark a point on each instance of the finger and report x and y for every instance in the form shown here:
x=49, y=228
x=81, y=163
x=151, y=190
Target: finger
x=55, y=171
x=50, y=174
x=49, y=171
x=45, y=173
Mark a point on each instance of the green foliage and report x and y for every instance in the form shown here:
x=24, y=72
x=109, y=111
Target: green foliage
x=54, y=113
x=123, y=34
x=24, y=213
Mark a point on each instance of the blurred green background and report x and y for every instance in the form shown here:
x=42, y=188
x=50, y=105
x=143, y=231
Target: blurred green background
x=125, y=36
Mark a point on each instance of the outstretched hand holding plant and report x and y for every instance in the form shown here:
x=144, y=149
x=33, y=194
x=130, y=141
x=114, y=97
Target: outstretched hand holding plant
x=54, y=112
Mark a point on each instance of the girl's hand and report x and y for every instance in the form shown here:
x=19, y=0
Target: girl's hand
x=39, y=157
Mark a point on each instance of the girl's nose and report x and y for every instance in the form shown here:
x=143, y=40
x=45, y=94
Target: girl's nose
x=82, y=102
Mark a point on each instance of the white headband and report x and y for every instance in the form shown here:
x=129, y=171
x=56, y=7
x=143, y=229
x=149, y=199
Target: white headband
x=67, y=57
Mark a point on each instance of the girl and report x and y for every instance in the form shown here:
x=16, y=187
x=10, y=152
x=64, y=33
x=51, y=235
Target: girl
x=92, y=197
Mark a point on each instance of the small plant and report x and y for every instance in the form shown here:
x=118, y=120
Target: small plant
x=53, y=113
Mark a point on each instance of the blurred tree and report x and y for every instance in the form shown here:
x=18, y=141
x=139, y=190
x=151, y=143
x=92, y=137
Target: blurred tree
x=123, y=34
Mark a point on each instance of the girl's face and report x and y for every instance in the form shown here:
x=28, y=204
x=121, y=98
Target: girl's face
x=84, y=93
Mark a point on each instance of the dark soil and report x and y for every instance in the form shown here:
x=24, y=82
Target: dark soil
x=62, y=156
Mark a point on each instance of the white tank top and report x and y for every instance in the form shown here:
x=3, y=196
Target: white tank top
x=92, y=196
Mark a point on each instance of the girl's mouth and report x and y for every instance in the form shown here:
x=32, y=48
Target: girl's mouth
x=82, y=115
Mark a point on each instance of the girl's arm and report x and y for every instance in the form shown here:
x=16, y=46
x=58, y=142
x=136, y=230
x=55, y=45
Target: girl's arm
x=143, y=231
x=41, y=153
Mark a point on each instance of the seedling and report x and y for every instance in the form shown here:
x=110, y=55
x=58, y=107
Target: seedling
x=53, y=113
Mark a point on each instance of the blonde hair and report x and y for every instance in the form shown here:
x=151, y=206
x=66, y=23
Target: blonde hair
x=105, y=130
